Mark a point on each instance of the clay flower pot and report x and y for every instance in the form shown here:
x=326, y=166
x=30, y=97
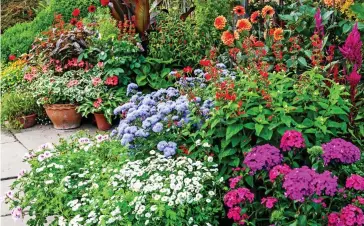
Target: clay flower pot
x=27, y=121
x=63, y=116
x=101, y=122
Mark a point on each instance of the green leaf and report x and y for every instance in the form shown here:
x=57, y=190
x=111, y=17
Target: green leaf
x=249, y=125
x=249, y=181
x=307, y=122
x=346, y=28
x=227, y=153
x=267, y=133
x=327, y=15
x=258, y=128
x=302, y=61
x=232, y=130
x=335, y=110
x=141, y=80
x=302, y=220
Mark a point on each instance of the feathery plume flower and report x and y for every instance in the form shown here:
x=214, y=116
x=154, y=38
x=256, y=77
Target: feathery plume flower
x=267, y=11
x=220, y=22
x=243, y=25
x=239, y=10
x=319, y=27
x=351, y=50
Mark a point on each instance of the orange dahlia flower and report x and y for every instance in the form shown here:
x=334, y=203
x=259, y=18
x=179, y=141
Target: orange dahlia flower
x=268, y=11
x=239, y=10
x=278, y=34
x=227, y=38
x=220, y=22
x=243, y=25
x=254, y=17
x=236, y=35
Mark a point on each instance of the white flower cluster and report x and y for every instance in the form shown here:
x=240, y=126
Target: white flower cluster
x=170, y=181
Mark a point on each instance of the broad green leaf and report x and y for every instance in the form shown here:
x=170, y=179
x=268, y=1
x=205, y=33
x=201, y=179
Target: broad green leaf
x=302, y=61
x=232, y=130
x=258, y=129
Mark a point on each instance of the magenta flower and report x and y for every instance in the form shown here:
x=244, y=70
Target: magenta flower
x=292, y=139
x=351, y=215
x=319, y=201
x=351, y=50
x=341, y=151
x=234, y=213
x=269, y=202
x=263, y=157
x=234, y=181
x=319, y=27
x=356, y=182
x=278, y=170
x=325, y=183
x=237, y=196
x=353, y=78
x=334, y=219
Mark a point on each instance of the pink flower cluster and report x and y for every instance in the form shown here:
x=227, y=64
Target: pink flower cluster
x=72, y=83
x=31, y=75
x=341, y=151
x=96, y=81
x=17, y=213
x=234, y=181
x=263, y=157
x=269, y=202
x=349, y=215
x=235, y=214
x=292, y=139
x=278, y=170
x=356, y=182
x=302, y=182
x=237, y=196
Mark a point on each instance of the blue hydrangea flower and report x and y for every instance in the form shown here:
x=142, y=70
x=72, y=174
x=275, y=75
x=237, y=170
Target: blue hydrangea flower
x=131, y=88
x=158, y=127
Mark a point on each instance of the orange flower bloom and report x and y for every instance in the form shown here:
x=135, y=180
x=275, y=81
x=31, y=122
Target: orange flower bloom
x=220, y=22
x=227, y=38
x=239, y=10
x=236, y=35
x=254, y=17
x=243, y=25
x=268, y=11
x=278, y=34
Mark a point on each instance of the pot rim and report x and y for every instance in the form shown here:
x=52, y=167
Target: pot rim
x=60, y=106
x=28, y=116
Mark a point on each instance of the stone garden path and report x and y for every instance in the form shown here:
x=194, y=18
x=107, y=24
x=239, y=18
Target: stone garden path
x=13, y=147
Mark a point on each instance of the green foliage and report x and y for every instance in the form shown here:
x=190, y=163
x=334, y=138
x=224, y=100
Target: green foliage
x=15, y=105
x=12, y=77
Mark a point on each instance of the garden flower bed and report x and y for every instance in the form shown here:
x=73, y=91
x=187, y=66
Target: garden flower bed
x=223, y=113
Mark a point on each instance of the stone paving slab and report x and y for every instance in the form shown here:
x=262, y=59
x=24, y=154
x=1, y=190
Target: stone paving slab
x=11, y=159
x=8, y=221
x=5, y=187
x=33, y=137
x=6, y=137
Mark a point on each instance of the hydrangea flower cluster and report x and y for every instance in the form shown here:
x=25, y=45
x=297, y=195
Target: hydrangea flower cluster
x=339, y=150
x=263, y=157
x=233, y=199
x=349, y=215
x=303, y=182
x=292, y=139
x=356, y=182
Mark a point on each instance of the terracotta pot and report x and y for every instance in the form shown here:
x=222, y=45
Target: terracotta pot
x=101, y=122
x=63, y=116
x=27, y=121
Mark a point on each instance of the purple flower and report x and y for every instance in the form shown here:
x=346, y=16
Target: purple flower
x=132, y=88
x=325, y=183
x=127, y=138
x=292, y=139
x=158, y=127
x=339, y=150
x=351, y=50
x=263, y=157
x=168, y=149
x=319, y=27
x=237, y=196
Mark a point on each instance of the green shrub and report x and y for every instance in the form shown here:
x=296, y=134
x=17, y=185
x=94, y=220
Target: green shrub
x=12, y=76
x=15, y=105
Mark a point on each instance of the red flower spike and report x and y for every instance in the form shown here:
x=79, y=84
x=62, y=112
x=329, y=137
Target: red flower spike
x=187, y=69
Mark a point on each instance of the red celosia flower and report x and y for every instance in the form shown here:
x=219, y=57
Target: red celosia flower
x=254, y=17
x=73, y=21
x=220, y=22
x=243, y=25
x=104, y=2
x=91, y=8
x=76, y=12
x=354, y=78
x=278, y=34
x=227, y=38
x=187, y=69
x=267, y=11
x=98, y=103
x=205, y=62
x=239, y=10
x=12, y=57
x=208, y=77
x=112, y=81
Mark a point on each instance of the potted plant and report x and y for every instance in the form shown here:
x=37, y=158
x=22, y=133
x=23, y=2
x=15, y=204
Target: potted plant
x=102, y=107
x=18, y=110
x=60, y=96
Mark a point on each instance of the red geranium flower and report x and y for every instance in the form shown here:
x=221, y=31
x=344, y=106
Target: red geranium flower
x=205, y=62
x=104, y=2
x=12, y=57
x=187, y=69
x=92, y=8
x=97, y=103
x=208, y=77
x=112, y=81
x=79, y=24
x=73, y=21
x=76, y=12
